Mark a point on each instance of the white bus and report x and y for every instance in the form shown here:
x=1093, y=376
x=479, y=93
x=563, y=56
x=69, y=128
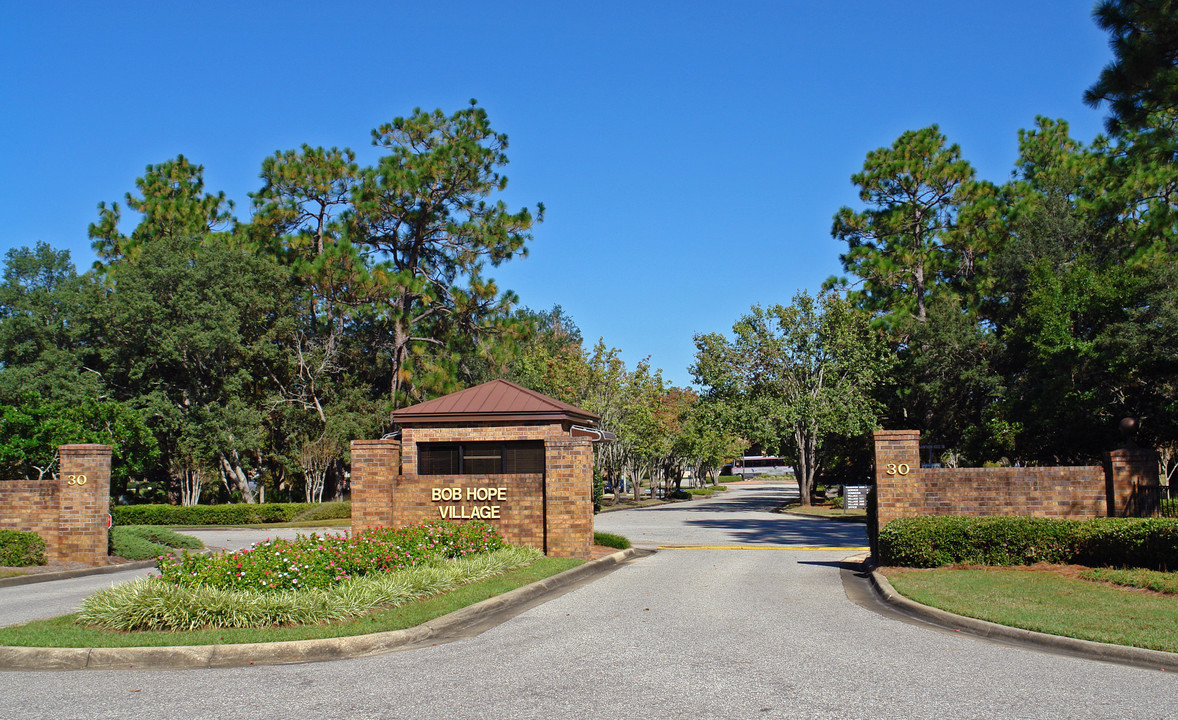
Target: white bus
x=750, y=466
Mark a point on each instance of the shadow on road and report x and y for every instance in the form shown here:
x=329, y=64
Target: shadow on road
x=787, y=530
x=855, y=567
x=765, y=500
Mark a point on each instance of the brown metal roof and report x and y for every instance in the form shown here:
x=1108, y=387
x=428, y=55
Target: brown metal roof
x=495, y=401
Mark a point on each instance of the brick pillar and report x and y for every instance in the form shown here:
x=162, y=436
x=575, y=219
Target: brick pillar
x=83, y=504
x=375, y=466
x=897, y=474
x=568, y=497
x=1126, y=471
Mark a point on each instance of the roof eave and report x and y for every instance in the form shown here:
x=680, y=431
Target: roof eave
x=457, y=418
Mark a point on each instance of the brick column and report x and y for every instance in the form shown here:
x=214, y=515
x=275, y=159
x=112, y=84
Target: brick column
x=375, y=466
x=83, y=504
x=568, y=488
x=897, y=474
x=1126, y=470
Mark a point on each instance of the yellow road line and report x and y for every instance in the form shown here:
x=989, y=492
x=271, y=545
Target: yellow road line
x=760, y=547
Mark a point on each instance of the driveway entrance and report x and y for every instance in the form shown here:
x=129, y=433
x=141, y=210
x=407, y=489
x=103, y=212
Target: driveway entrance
x=742, y=517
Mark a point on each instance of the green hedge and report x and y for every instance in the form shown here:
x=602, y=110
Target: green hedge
x=147, y=542
x=1114, y=542
x=237, y=514
x=21, y=549
x=326, y=511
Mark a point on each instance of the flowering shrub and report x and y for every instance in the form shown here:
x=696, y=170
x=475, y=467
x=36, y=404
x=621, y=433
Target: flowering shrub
x=323, y=561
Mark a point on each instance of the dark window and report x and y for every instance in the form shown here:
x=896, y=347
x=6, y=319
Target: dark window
x=523, y=458
x=481, y=458
x=437, y=459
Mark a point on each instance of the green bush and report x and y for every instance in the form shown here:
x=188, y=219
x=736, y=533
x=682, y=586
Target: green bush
x=326, y=511
x=1129, y=542
x=21, y=549
x=610, y=540
x=195, y=515
x=146, y=542
x=679, y=495
x=706, y=490
x=1101, y=542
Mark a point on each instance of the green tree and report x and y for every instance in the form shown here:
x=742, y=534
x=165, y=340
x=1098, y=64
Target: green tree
x=423, y=211
x=800, y=373
x=709, y=439
x=549, y=356
x=900, y=247
x=320, y=400
x=172, y=204
x=31, y=431
x=46, y=328
x=1142, y=80
x=304, y=192
x=195, y=329
x=1074, y=298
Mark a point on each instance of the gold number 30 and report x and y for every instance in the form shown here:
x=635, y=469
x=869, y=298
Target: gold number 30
x=77, y=480
x=901, y=469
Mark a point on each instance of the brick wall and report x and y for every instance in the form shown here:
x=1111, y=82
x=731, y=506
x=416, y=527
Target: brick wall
x=897, y=472
x=69, y=511
x=31, y=506
x=552, y=512
x=1127, y=470
x=904, y=489
x=520, y=511
x=568, y=475
x=375, y=466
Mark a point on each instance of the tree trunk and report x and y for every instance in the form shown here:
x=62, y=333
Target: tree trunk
x=235, y=477
x=191, y=483
x=807, y=443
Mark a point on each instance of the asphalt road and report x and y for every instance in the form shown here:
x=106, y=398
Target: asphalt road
x=683, y=633
x=741, y=517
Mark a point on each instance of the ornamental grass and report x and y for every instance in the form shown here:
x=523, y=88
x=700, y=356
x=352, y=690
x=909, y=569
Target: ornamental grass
x=155, y=604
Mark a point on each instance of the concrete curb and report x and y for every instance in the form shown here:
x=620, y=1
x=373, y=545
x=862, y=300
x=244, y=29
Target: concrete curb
x=182, y=657
x=80, y=572
x=1155, y=659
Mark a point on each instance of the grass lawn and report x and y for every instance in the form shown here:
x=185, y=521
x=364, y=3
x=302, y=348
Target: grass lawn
x=63, y=632
x=1047, y=600
x=827, y=512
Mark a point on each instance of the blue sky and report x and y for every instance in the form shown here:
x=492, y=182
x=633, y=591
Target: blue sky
x=691, y=154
